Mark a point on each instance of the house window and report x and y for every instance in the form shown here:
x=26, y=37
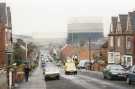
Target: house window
x=118, y=42
x=118, y=27
x=128, y=46
x=111, y=41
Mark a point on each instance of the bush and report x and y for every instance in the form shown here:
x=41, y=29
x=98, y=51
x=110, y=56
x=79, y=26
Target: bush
x=33, y=66
x=20, y=68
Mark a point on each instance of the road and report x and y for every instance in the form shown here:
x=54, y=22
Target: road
x=86, y=80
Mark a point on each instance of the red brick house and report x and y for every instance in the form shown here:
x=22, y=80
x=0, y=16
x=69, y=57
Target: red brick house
x=67, y=51
x=84, y=54
x=2, y=45
x=5, y=43
x=5, y=35
x=121, y=38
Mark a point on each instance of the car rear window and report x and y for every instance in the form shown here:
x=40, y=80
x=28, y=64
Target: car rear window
x=115, y=67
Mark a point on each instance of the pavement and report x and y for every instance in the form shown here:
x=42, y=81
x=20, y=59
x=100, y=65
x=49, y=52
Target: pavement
x=36, y=81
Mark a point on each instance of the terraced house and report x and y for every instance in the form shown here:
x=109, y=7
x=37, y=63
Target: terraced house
x=122, y=40
x=5, y=43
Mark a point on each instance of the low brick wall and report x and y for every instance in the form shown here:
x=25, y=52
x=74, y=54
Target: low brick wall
x=3, y=79
x=98, y=67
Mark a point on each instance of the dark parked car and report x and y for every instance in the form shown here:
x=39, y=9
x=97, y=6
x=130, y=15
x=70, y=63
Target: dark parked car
x=131, y=75
x=114, y=71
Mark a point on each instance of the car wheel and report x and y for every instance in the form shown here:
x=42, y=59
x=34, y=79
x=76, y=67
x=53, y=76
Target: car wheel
x=66, y=73
x=75, y=73
x=58, y=77
x=104, y=76
x=45, y=78
x=109, y=77
x=129, y=81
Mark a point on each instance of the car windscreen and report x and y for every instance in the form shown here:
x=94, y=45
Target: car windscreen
x=116, y=67
x=50, y=65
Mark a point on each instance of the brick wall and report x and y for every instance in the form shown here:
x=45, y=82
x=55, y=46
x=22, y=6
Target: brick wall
x=84, y=53
x=2, y=45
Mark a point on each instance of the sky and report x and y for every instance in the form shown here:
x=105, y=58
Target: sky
x=51, y=16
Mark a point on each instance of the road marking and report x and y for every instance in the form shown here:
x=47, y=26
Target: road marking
x=78, y=81
x=101, y=82
x=95, y=80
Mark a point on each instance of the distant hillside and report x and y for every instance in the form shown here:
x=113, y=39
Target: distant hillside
x=54, y=41
x=23, y=37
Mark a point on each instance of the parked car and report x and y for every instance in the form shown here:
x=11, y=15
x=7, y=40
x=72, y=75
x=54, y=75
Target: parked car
x=70, y=67
x=58, y=64
x=51, y=71
x=83, y=64
x=42, y=63
x=114, y=71
x=131, y=75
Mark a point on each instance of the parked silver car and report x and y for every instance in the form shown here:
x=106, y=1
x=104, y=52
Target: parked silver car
x=51, y=71
x=84, y=64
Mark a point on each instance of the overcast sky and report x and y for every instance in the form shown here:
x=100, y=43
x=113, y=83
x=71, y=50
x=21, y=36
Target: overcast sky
x=51, y=15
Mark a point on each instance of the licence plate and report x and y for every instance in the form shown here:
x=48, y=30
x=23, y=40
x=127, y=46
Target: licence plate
x=121, y=75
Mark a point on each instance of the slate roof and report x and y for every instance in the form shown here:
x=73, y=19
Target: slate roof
x=114, y=24
x=9, y=17
x=132, y=19
x=123, y=22
x=3, y=18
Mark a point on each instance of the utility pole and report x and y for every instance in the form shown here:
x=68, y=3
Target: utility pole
x=89, y=49
x=26, y=50
x=72, y=38
x=90, y=52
